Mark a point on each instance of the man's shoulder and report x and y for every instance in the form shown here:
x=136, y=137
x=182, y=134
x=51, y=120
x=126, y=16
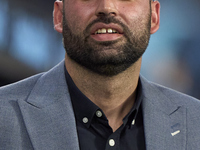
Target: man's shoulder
x=172, y=95
x=22, y=89
x=176, y=95
x=190, y=103
x=19, y=89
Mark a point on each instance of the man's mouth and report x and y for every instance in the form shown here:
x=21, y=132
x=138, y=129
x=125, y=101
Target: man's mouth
x=104, y=31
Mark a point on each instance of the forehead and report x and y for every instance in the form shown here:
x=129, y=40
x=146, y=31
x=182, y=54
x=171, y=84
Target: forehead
x=100, y=0
x=150, y=0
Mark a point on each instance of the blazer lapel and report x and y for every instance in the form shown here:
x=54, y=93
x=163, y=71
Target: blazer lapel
x=164, y=121
x=50, y=121
x=48, y=113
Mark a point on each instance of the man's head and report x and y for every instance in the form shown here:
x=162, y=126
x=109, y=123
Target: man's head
x=106, y=36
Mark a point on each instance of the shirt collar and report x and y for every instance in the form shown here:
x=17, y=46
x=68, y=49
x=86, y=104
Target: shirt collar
x=83, y=108
x=86, y=109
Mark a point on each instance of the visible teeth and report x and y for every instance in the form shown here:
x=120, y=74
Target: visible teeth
x=103, y=31
x=110, y=30
x=114, y=31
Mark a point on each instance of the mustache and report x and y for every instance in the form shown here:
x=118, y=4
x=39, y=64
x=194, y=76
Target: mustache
x=106, y=20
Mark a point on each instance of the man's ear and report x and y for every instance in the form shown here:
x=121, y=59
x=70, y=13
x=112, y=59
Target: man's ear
x=58, y=16
x=155, y=16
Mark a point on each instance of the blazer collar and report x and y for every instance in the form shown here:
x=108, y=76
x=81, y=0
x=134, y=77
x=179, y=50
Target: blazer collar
x=50, y=121
x=164, y=120
x=48, y=113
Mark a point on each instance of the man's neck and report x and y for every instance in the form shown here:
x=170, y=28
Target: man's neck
x=114, y=95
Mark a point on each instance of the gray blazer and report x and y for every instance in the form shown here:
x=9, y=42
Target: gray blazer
x=37, y=113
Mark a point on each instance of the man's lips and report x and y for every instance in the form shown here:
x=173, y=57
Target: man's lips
x=106, y=32
x=99, y=26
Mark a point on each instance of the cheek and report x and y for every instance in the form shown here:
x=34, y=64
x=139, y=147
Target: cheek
x=134, y=12
x=72, y=18
x=78, y=16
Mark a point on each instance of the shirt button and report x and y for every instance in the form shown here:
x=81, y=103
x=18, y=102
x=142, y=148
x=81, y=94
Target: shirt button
x=85, y=120
x=99, y=113
x=133, y=122
x=111, y=142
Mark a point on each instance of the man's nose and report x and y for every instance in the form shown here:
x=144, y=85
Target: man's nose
x=106, y=7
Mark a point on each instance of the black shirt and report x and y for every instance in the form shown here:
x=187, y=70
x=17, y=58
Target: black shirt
x=94, y=132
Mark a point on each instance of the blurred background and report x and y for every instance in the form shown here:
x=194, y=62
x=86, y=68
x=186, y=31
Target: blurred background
x=29, y=44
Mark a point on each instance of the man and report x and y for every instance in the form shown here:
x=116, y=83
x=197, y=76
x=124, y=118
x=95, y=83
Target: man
x=96, y=98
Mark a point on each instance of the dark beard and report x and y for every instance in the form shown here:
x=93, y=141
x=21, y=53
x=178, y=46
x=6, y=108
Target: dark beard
x=89, y=54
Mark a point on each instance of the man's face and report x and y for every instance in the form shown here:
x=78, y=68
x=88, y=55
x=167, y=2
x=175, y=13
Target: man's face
x=106, y=36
